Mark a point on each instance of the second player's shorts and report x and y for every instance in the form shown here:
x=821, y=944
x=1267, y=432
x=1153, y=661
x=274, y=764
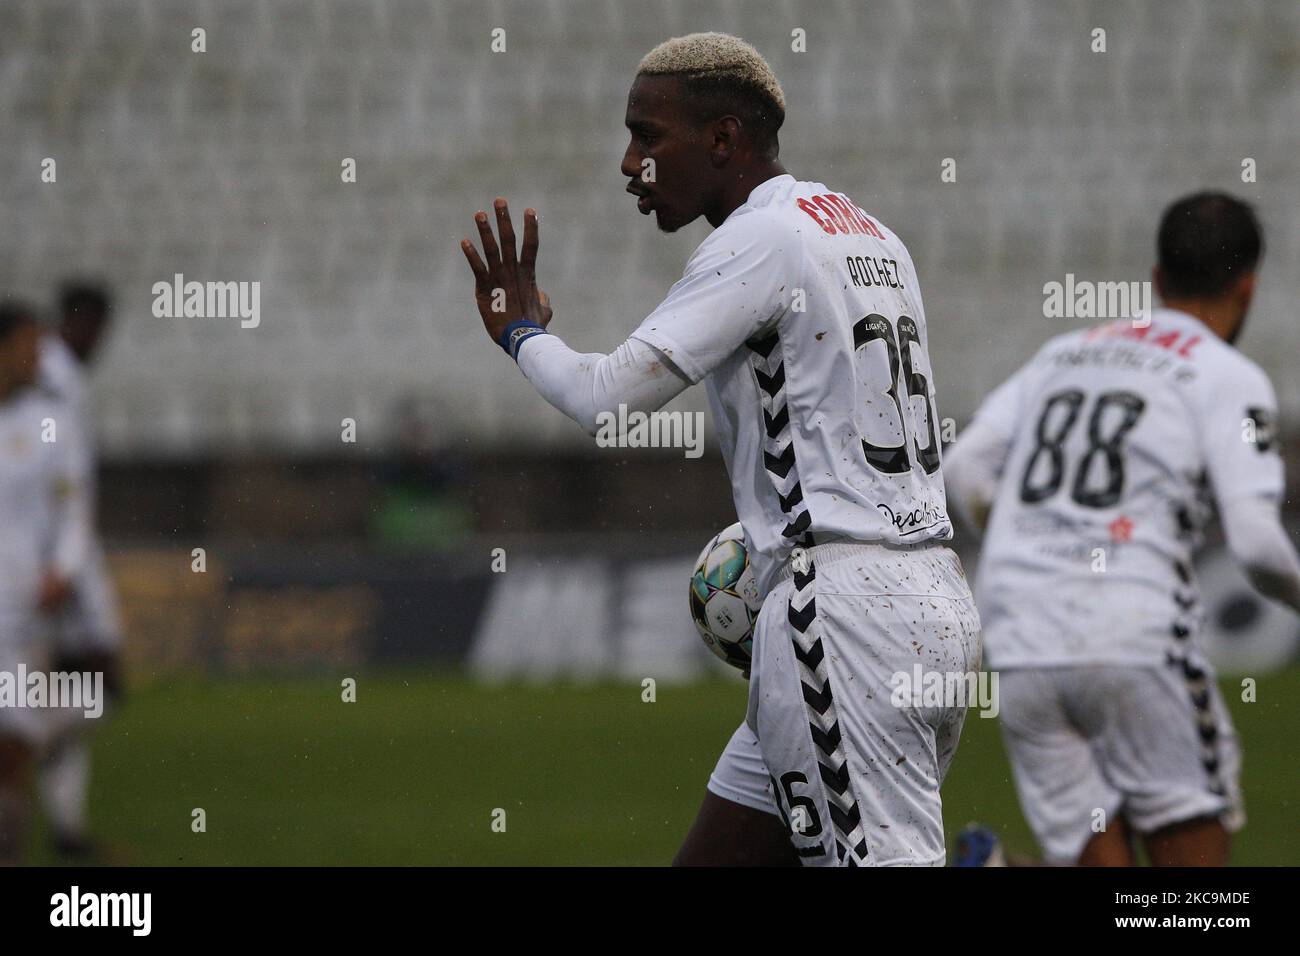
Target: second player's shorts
x=1152, y=744
x=854, y=772
x=23, y=647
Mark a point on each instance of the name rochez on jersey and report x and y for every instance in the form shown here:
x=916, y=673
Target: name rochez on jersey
x=826, y=415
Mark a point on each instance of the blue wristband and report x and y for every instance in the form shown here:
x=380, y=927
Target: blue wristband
x=515, y=333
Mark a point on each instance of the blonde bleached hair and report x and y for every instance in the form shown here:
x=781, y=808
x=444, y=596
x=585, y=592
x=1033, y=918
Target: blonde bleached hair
x=718, y=66
x=716, y=56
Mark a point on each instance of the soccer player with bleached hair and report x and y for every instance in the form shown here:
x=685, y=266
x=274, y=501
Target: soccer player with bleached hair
x=1095, y=468
x=803, y=316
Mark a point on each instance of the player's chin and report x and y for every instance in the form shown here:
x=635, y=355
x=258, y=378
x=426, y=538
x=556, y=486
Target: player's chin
x=665, y=220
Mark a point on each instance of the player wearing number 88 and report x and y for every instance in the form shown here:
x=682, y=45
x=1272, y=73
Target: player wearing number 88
x=1095, y=468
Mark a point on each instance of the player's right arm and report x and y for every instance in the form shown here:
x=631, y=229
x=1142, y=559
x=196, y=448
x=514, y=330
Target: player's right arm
x=585, y=385
x=734, y=286
x=973, y=466
x=1238, y=421
x=72, y=512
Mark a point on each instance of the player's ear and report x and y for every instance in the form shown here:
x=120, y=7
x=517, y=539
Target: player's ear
x=726, y=139
x=1243, y=290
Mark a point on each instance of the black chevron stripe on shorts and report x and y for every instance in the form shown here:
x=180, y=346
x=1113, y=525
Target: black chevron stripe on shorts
x=782, y=468
x=1197, y=680
x=823, y=722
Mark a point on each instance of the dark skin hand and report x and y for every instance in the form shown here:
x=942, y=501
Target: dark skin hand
x=54, y=593
x=515, y=276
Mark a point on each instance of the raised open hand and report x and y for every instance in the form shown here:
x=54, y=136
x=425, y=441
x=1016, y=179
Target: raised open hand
x=505, y=287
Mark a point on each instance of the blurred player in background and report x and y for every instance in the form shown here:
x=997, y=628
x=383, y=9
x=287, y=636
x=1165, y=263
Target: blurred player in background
x=804, y=315
x=45, y=510
x=87, y=633
x=1095, y=468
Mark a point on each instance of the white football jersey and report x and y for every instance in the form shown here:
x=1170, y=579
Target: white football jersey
x=92, y=616
x=1120, y=439
x=63, y=376
x=805, y=316
x=38, y=481
x=62, y=373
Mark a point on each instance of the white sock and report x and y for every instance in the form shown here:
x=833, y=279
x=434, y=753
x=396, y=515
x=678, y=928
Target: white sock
x=64, y=779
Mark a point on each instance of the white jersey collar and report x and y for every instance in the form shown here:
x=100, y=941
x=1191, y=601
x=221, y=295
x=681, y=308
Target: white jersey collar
x=1168, y=313
x=761, y=191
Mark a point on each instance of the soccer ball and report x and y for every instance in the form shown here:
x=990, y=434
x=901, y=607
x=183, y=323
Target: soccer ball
x=724, y=597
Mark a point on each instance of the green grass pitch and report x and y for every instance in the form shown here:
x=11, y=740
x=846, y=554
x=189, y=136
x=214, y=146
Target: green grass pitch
x=586, y=774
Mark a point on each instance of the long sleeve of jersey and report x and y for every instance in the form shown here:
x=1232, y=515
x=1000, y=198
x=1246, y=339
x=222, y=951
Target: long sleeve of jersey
x=72, y=508
x=971, y=469
x=973, y=466
x=735, y=285
x=584, y=385
x=1261, y=546
x=1238, y=431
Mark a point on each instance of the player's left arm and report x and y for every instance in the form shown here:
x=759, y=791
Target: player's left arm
x=1246, y=472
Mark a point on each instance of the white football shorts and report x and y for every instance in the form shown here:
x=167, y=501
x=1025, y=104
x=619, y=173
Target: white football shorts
x=22, y=645
x=1153, y=744
x=852, y=767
